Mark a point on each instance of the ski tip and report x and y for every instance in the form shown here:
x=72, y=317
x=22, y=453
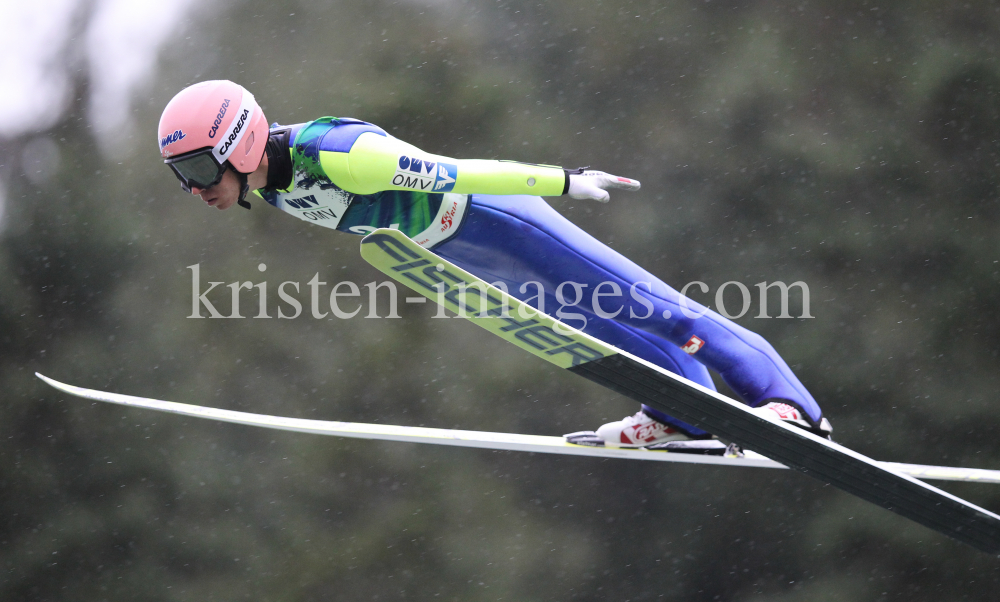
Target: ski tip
x=51, y=382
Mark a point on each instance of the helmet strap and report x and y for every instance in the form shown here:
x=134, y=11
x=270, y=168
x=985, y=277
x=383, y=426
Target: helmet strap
x=244, y=189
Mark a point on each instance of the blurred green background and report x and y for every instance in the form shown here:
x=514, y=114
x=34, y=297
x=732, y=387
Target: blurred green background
x=851, y=145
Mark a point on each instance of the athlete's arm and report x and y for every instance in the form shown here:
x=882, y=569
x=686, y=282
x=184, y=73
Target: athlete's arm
x=376, y=163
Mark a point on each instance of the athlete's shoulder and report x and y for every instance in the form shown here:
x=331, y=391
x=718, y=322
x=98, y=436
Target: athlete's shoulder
x=332, y=134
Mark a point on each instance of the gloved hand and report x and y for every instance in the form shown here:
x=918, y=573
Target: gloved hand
x=594, y=185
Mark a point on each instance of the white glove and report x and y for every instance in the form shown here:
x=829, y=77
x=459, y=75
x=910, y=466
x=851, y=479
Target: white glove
x=594, y=185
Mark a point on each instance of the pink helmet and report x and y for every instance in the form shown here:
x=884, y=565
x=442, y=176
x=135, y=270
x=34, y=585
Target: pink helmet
x=209, y=126
x=217, y=114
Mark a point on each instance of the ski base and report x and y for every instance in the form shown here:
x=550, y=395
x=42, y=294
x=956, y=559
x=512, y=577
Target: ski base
x=495, y=441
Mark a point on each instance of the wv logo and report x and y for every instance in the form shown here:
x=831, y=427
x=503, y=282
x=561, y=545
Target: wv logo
x=304, y=202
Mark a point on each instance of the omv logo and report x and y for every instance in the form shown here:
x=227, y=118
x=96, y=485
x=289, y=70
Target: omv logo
x=444, y=180
x=420, y=174
x=305, y=202
x=416, y=166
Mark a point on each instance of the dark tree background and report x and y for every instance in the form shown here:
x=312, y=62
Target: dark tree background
x=850, y=145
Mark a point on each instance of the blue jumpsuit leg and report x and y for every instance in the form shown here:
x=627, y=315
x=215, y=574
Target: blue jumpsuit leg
x=520, y=239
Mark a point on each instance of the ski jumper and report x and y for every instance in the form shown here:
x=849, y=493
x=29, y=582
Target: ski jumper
x=488, y=218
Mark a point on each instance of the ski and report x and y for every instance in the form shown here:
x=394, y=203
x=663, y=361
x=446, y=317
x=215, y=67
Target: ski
x=483, y=440
x=400, y=258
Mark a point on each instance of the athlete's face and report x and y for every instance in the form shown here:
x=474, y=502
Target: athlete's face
x=224, y=194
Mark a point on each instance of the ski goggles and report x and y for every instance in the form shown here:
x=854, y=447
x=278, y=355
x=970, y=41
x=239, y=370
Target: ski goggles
x=197, y=169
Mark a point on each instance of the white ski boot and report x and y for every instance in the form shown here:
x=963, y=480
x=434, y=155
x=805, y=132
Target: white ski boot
x=778, y=410
x=639, y=430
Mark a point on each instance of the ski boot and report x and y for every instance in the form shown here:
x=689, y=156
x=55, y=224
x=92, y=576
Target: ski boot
x=639, y=430
x=789, y=414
